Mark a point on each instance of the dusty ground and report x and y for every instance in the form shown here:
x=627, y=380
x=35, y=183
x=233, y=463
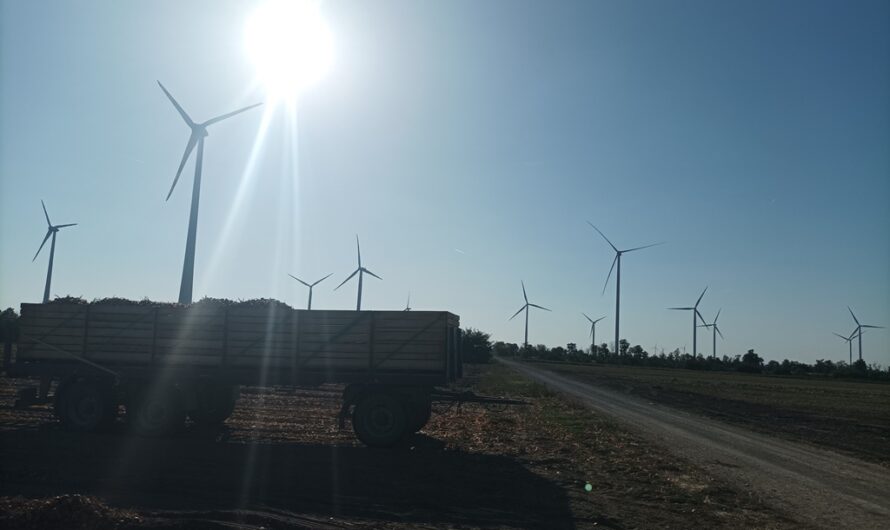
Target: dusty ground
x=280, y=462
x=823, y=488
x=847, y=415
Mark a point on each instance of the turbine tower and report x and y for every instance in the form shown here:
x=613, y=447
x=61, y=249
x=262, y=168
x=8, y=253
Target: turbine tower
x=695, y=316
x=592, y=332
x=360, y=271
x=310, y=286
x=199, y=132
x=714, y=331
x=526, y=308
x=51, y=230
x=849, y=341
x=859, y=330
x=617, y=260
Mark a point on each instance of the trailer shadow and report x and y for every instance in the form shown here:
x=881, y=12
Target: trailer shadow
x=421, y=483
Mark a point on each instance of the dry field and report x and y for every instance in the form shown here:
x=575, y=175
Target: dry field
x=280, y=462
x=850, y=416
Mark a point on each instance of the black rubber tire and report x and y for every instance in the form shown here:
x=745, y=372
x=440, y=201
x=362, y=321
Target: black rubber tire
x=419, y=413
x=156, y=411
x=380, y=420
x=215, y=403
x=85, y=405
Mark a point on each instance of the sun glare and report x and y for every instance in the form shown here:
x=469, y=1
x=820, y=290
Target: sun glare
x=290, y=45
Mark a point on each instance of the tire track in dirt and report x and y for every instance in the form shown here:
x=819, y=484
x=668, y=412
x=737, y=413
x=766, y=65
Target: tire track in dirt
x=818, y=487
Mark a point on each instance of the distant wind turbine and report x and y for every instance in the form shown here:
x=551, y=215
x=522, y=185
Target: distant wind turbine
x=408, y=303
x=695, y=316
x=310, y=286
x=617, y=260
x=859, y=330
x=714, y=331
x=360, y=271
x=199, y=132
x=51, y=230
x=592, y=332
x=526, y=308
x=849, y=341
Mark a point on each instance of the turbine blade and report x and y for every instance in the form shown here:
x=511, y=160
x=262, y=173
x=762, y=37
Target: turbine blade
x=358, y=248
x=597, y=320
x=523, y=291
x=682, y=308
x=299, y=280
x=718, y=315
x=176, y=104
x=610, y=273
x=371, y=273
x=66, y=226
x=516, y=313
x=641, y=248
x=701, y=296
x=217, y=119
x=699, y=315
x=604, y=237
x=876, y=327
x=48, y=233
x=193, y=139
x=854, y=316
x=539, y=307
x=347, y=279
x=718, y=332
x=321, y=280
x=839, y=335
x=587, y=317
x=48, y=223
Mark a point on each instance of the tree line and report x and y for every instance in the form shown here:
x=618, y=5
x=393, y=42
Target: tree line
x=478, y=348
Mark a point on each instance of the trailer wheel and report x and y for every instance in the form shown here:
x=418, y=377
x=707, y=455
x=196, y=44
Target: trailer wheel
x=419, y=413
x=379, y=420
x=157, y=411
x=215, y=403
x=85, y=405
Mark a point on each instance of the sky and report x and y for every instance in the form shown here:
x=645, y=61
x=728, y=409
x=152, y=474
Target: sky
x=468, y=144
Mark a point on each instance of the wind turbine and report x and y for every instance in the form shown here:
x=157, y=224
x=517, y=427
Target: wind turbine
x=526, y=307
x=849, y=341
x=310, y=286
x=592, y=332
x=695, y=316
x=199, y=132
x=859, y=330
x=714, y=331
x=408, y=303
x=617, y=260
x=51, y=230
x=360, y=271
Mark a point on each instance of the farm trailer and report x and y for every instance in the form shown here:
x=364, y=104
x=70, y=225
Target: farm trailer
x=164, y=363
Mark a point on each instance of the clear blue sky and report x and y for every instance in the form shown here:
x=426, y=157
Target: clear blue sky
x=467, y=143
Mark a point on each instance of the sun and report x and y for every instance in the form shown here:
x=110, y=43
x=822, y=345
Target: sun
x=290, y=45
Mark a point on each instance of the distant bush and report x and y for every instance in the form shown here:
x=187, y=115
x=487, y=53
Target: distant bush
x=475, y=346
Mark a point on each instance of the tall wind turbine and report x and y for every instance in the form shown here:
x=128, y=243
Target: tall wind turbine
x=617, y=260
x=51, y=230
x=310, y=286
x=849, y=341
x=526, y=308
x=859, y=330
x=360, y=271
x=199, y=132
x=592, y=332
x=695, y=316
x=714, y=331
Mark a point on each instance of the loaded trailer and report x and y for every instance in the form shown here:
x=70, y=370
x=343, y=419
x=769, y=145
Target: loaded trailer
x=166, y=362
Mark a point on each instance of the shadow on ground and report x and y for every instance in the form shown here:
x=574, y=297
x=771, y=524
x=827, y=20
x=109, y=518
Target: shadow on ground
x=421, y=483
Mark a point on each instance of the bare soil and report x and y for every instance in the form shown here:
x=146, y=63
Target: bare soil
x=281, y=462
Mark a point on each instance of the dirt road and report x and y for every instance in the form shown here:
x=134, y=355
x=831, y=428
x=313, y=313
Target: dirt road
x=818, y=487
